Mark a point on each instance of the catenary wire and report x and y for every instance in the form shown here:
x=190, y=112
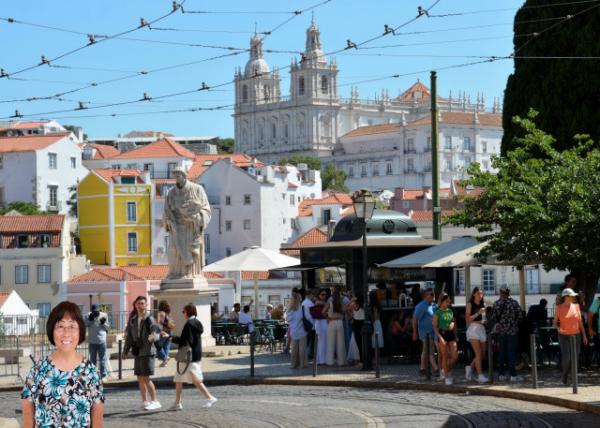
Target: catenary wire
x=477, y=12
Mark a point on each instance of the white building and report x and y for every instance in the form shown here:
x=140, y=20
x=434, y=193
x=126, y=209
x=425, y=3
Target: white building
x=313, y=117
x=136, y=139
x=96, y=155
x=40, y=169
x=399, y=155
x=320, y=212
x=36, y=255
x=256, y=206
x=44, y=127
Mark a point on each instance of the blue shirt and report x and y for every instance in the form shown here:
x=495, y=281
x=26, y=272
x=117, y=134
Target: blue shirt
x=594, y=308
x=424, y=316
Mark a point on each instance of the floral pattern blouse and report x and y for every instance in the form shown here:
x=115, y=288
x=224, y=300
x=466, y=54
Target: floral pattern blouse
x=62, y=398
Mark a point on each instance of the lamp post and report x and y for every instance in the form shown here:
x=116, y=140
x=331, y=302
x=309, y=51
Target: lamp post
x=364, y=205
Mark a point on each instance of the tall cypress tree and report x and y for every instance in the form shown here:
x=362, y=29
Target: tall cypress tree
x=565, y=92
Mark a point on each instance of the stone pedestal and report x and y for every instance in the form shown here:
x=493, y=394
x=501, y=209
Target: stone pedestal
x=180, y=292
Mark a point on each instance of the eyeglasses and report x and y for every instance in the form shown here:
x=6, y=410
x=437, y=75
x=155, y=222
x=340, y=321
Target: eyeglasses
x=66, y=328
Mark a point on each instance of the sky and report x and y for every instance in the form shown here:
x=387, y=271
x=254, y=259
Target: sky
x=177, y=54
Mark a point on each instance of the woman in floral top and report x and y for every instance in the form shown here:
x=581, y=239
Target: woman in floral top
x=63, y=389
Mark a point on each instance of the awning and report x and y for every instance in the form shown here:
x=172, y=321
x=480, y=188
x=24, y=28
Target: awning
x=454, y=253
x=302, y=268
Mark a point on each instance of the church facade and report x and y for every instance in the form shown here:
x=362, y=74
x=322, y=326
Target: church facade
x=314, y=120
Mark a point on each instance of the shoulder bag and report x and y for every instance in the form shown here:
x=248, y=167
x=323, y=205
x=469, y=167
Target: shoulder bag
x=183, y=356
x=306, y=323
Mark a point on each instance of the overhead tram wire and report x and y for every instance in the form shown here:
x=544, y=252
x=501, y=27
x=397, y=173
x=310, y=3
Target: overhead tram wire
x=421, y=13
x=540, y=6
x=93, y=41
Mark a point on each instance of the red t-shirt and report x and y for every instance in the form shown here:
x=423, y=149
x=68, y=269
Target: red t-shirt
x=569, y=317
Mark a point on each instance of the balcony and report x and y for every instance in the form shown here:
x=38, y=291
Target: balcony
x=427, y=149
x=410, y=171
x=161, y=174
x=54, y=206
x=410, y=150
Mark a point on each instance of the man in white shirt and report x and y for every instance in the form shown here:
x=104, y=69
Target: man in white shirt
x=308, y=303
x=246, y=319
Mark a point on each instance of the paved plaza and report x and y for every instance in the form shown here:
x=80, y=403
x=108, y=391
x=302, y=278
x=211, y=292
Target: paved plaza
x=291, y=406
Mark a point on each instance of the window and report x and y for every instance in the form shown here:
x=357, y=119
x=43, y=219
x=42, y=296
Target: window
x=1, y=196
x=132, y=245
x=170, y=167
x=485, y=165
x=388, y=168
x=132, y=166
x=73, y=163
x=448, y=142
x=131, y=211
x=292, y=200
x=274, y=299
x=448, y=161
x=326, y=216
x=247, y=200
x=166, y=243
x=116, y=166
x=1, y=161
x=128, y=180
x=467, y=161
x=261, y=133
x=44, y=240
x=324, y=85
x=43, y=274
x=375, y=170
x=149, y=167
x=227, y=252
x=410, y=145
x=286, y=130
x=301, y=85
x=52, y=160
x=22, y=241
x=350, y=171
x=246, y=224
x=53, y=196
x=405, y=204
x=227, y=225
x=467, y=143
x=363, y=170
x=484, y=146
x=227, y=200
x=428, y=144
x=207, y=243
x=273, y=131
x=21, y=274
x=266, y=93
x=43, y=309
x=244, y=94
x=410, y=165
x=489, y=280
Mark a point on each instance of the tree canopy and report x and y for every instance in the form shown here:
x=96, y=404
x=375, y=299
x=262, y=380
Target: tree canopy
x=542, y=206
x=566, y=92
x=225, y=145
x=311, y=162
x=25, y=208
x=333, y=179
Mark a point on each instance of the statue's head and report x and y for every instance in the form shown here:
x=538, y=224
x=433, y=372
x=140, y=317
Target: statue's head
x=180, y=176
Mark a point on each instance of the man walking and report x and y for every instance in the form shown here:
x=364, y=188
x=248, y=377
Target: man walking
x=507, y=314
x=140, y=335
x=97, y=325
x=422, y=323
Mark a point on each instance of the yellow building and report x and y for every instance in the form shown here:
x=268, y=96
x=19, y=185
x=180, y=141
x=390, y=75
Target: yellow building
x=115, y=217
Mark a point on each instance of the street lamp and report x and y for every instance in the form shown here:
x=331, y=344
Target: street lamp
x=364, y=205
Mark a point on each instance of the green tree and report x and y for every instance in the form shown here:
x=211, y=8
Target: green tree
x=564, y=91
x=334, y=179
x=311, y=162
x=543, y=205
x=25, y=208
x=225, y=146
x=72, y=202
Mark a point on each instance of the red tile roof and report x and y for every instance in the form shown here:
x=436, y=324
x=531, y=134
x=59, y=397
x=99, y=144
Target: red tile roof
x=247, y=275
x=313, y=236
x=3, y=296
x=203, y=161
x=386, y=128
x=305, y=207
x=108, y=173
x=426, y=216
x=104, y=152
x=29, y=143
x=461, y=189
x=27, y=125
x=31, y=223
x=165, y=148
x=462, y=118
x=129, y=273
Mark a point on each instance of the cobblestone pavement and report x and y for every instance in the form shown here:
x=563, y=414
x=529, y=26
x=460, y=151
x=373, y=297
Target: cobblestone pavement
x=286, y=406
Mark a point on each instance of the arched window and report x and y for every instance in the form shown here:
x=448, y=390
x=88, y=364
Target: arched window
x=266, y=93
x=273, y=131
x=244, y=94
x=261, y=133
x=286, y=130
x=324, y=85
x=301, y=85
x=326, y=126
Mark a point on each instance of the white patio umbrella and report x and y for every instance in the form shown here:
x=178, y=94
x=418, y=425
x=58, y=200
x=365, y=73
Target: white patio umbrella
x=254, y=259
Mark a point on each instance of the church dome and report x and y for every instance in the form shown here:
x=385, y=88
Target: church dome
x=256, y=63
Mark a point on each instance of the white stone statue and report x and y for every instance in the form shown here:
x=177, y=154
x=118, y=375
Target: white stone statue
x=187, y=214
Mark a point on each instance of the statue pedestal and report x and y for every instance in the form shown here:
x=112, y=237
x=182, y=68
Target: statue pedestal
x=180, y=292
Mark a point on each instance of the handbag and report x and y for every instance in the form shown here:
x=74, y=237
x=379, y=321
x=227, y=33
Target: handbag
x=184, y=355
x=306, y=323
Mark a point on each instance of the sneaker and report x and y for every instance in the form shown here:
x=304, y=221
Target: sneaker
x=145, y=404
x=468, y=373
x=516, y=378
x=442, y=375
x=210, y=402
x=164, y=362
x=502, y=378
x=449, y=380
x=482, y=378
x=176, y=406
x=153, y=405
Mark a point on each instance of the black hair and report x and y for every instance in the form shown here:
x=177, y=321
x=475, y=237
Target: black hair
x=58, y=313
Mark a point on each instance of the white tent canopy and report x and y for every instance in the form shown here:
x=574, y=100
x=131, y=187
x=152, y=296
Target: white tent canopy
x=253, y=259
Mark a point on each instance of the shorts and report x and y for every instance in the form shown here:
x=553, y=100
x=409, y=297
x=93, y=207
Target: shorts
x=195, y=368
x=448, y=335
x=143, y=366
x=476, y=331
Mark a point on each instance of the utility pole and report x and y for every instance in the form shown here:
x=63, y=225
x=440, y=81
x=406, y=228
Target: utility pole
x=435, y=163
